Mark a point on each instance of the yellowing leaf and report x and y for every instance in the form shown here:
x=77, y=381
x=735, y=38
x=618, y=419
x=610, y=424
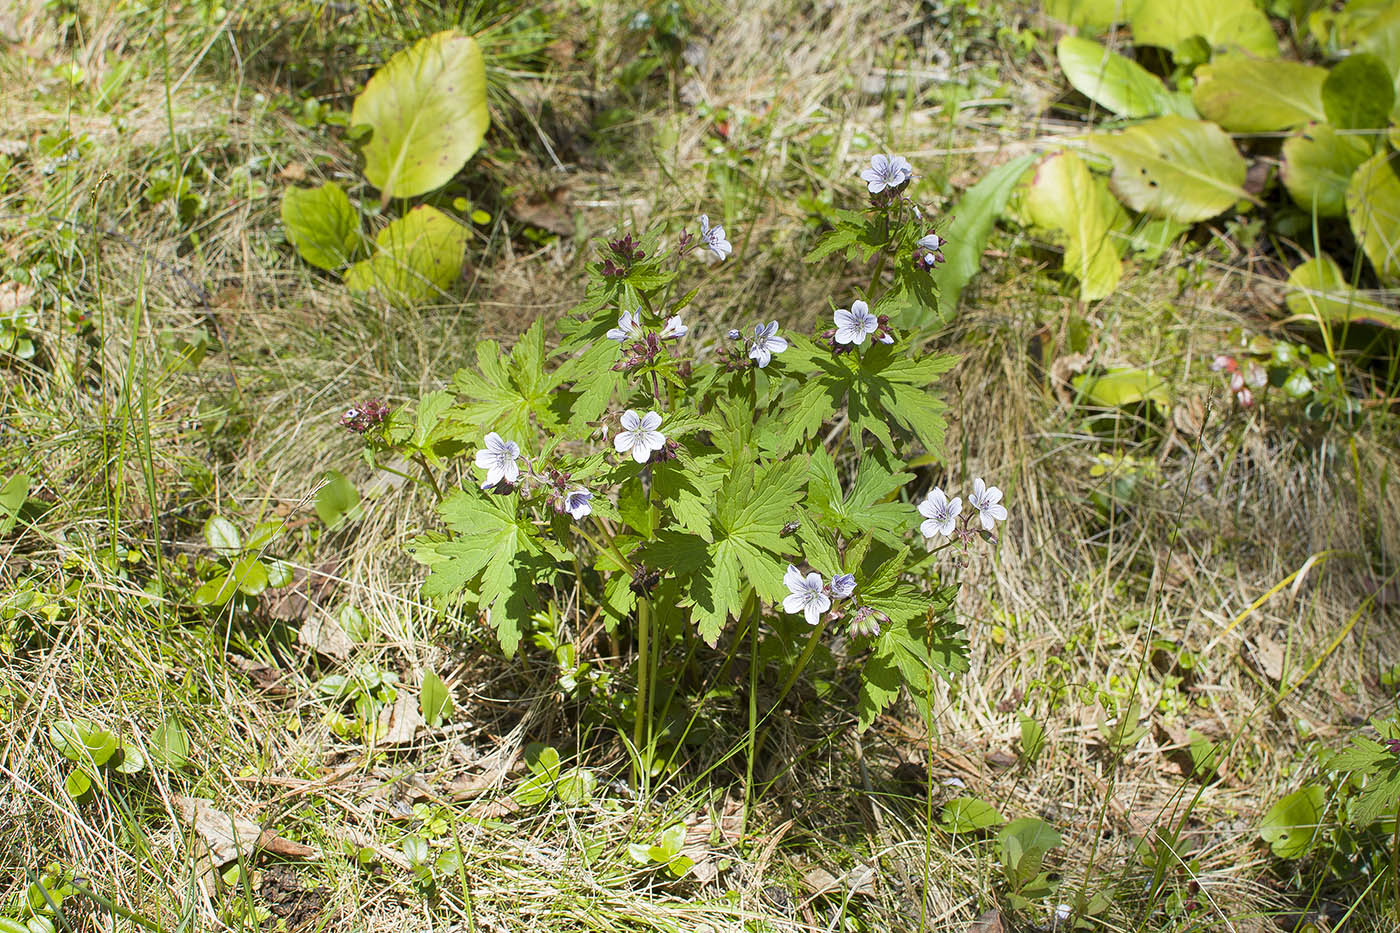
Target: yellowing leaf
x=1373, y=207
x=1187, y=170
x=322, y=224
x=1249, y=95
x=1094, y=15
x=1065, y=198
x=1318, y=165
x=1123, y=387
x=1319, y=292
x=1222, y=23
x=427, y=108
x=419, y=254
x=1118, y=83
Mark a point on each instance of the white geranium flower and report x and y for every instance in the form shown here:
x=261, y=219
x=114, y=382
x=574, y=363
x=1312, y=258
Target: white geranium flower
x=639, y=435
x=806, y=596
x=941, y=515
x=578, y=503
x=987, y=501
x=853, y=325
x=886, y=172
x=933, y=242
x=673, y=328
x=765, y=343
x=843, y=585
x=713, y=238
x=629, y=325
x=498, y=460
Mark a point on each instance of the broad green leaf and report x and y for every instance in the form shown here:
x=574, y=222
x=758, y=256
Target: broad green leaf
x=82, y=741
x=973, y=219
x=249, y=575
x=434, y=700
x=1373, y=208
x=1359, y=93
x=338, y=500
x=322, y=224
x=1116, y=82
x=1067, y=200
x=216, y=591
x=131, y=760
x=77, y=785
x=1251, y=95
x=1224, y=24
x=1187, y=170
x=1370, y=28
x=427, y=108
x=13, y=495
x=1093, y=15
x=1022, y=846
x=222, y=535
x=1122, y=387
x=418, y=255
x=1291, y=824
x=968, y=815
x=170, y=744
x=1319, y=292
x=575, y=786
x=1318, y=166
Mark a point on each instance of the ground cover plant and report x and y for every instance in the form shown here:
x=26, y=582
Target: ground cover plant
x=664, y=466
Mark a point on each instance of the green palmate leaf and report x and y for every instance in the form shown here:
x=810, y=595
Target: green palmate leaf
x=427, y=108
x=1318, y=166
x=434, y=700
x=419, y=255
x=920, y=642
x=1373, y=209
x=1074, y=206
x=1093, y=15
x=1319, y=292
x=1359, y=93
x=1115, y=82
x=322, y=224
x=1291, y=824
x=973, y=219
x=1250, y=95
x=506, y=392
x=1122, y=387
x=1224, y=24
x=1187, y=170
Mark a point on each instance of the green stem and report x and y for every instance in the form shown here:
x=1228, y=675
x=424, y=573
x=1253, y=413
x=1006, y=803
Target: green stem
x=422, y=461
x=802, y=661
x=641, y=731
x=608, y=547
x=753, y=721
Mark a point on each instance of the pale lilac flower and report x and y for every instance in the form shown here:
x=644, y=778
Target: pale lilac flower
x=765, y=343
x=1062, y=912
x=932, y=242
x=886, y=172
x=807, y=596
x=639, y=435
x=673, y=328
x=853, y=325
x=843, y=585
x=498, y=460
x=577, y=503
x=941, y=514
x=987, y=501
x=629, y=325
x=734, y=334
x=713, y=238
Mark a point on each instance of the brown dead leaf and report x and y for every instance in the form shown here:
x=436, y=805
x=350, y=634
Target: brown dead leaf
x=1264, y=655
x=15, y=295
x=267, y=679
x=308, y=588
x=292, y=171
x=859, y=880
x=229, y=837
x=1061, y=371
x=323, y=634
x=548, y=212
x=1001, y=759
x=401, y=721
x=990, y=922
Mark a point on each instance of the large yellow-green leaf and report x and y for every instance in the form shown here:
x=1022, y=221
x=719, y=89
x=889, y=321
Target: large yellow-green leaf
x=1225, y=24
x=1092, y=15
x=322, y=224
x=1373, y=208
x=1319, y=292
x=1252, y=95
x=1187, y=170
x=1115, y=82
x=1124, y=386
x=1358, y=93
x=1066, y=199
x=1318, y=165
x=1368, y=27
x=419, y=254
x=427, y=107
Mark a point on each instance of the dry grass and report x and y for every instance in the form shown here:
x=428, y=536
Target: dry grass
x=1230, y=506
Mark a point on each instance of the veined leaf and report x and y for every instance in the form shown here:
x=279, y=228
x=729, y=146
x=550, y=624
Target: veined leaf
x=1092, y=15
x=1251, y=95
x=1358, y=93
x=1319, y=292
x=419, y=254
x=1065, y=199
x=973, y=219
x=1373, y=208
x=1225, y=24
x=1116, y=82
x=322, y=224
x=1187, y=170
x=1318, y=166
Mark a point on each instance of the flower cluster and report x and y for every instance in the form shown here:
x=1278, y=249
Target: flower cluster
x=758, y=350
x=577, y=502
x=365, y=416
x=856, y=323
x=941, y=514
x=501, y=458
x=626, y=251
x=1243, y=383
x=929, y=251
x=646, y=345
x=809, y=596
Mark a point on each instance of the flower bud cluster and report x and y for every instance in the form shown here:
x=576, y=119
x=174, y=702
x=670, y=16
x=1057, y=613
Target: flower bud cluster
x=366, y=416
x=1243, y=382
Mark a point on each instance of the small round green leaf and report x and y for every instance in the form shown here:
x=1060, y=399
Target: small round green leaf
x=1250, y=95
x=338, y=500
x=216, y=591
x=322, y=224
x=78, y=785
x=427, y=110
x=222, y=535
x=1123, y=387
x=249, y=575
x=1373, y=208
x=1358, y=93
x=1318, y=165
x=132, y=761
x=968, y=815
x=1290, y=824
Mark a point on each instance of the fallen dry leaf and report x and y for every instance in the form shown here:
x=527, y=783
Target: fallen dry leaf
x=292, y=171
x=1264, y=655
x=308, y=588
x=229, y=837
x=990, y=922
x=15, y=295
x=401, y=721
x=323, y=634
